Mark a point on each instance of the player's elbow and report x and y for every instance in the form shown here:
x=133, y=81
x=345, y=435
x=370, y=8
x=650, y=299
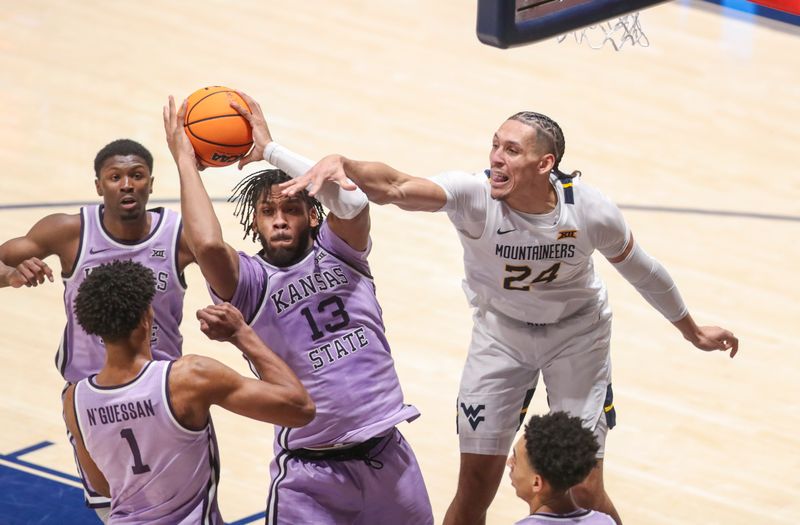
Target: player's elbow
x=102, y=487
x=385, y=194
x=301, y=410
x=209, y=249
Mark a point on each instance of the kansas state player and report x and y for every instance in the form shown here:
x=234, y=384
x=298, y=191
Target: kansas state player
x=554, y=454
x=120, y=228
x=143, y=431
x=309, y=294
x=528, y=231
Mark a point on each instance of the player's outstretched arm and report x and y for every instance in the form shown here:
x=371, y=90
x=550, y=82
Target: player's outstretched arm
x=381, y=183
x=653, y=282
x=218, y=261
x=55, y=234
x=89, y=467
x=30, y=272
x=277, y=397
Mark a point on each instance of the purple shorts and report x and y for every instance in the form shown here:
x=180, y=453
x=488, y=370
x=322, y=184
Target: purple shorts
x=388, y=489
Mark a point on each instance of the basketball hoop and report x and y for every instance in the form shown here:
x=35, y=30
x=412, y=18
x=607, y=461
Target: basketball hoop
x=625, y=29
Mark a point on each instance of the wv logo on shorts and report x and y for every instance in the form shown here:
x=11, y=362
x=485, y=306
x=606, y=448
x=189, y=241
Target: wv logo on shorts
x=472, y=415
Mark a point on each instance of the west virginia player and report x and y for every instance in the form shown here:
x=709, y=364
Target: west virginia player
x=528, y=231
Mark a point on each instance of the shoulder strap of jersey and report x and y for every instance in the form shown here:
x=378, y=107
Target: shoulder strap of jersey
x=566, y=183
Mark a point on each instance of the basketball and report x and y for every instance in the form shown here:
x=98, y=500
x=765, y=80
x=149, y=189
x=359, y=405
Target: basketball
x=219, y=134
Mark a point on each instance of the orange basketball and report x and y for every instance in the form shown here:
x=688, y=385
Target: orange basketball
x=218, y=133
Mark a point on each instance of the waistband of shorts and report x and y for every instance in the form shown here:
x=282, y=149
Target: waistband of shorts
x=590, y=309
x=347, y=452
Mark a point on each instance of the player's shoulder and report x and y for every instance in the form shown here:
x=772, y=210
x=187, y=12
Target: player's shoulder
x=191, y=364
x=602, y=518
x=166, y=212
x=460, y=184
x=192, y=371
x=580, y=184
x=61, y=219
x=460, y=177
x=589, y=196
x=62, y=226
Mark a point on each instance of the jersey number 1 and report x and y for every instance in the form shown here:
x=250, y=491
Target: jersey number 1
x=138, y=467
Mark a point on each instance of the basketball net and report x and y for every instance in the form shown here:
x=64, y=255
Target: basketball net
x=625, y=29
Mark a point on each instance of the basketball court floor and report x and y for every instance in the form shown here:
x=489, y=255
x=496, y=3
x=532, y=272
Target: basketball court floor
x=696, y=137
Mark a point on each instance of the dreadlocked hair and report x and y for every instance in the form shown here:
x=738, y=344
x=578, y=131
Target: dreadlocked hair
x=247, y=192
x=548, y=132
x=113, y=298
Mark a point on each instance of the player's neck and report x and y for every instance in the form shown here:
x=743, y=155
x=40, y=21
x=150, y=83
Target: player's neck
x=536, y=197
x=127, y=229
x=124, y=361
x=553, y=503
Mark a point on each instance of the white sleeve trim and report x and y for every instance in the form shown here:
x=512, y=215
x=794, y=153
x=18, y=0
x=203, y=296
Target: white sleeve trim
x=653, y=282
x=344, y=204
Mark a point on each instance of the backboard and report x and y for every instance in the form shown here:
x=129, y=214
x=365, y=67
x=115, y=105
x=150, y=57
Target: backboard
x=508, y=23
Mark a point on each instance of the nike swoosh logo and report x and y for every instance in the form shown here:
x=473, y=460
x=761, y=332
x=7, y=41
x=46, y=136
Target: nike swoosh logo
x=93, y=251
x=503, y=232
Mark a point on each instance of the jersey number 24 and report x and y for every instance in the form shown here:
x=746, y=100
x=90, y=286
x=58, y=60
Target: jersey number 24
x=518, y=275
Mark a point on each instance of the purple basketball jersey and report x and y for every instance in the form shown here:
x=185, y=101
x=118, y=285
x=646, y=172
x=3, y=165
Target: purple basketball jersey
x=157, y=470
x=578, y=517
x=322, y=317
x=80, y=354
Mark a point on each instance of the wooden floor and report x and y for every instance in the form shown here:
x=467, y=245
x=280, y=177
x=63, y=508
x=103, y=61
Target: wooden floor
x=704, y=120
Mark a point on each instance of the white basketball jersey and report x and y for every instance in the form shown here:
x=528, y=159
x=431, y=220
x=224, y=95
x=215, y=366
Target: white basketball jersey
x=534, y=268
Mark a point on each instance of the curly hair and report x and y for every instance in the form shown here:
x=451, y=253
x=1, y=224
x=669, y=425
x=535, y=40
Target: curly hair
x=560, y=449
x=113, y=299
x=122, y=147
x=247, y=192
x=548, y=133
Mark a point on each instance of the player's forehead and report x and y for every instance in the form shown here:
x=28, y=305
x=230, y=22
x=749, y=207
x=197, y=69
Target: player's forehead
x=514, y=131
x=272, y=196
x=123, y=163
x=520, y=452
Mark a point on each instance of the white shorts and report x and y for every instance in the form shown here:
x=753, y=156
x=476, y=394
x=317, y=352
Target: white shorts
x=505, y=359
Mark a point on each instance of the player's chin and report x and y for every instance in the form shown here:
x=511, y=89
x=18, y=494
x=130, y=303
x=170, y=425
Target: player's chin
x=499, y=194
x=131, y=214
x=282, y=254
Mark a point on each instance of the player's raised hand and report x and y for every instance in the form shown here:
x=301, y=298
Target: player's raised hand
x=710, y=338
x=30, y=272
x=177, y=140
x=221, y=322
x=330, y=168
x=258, y=123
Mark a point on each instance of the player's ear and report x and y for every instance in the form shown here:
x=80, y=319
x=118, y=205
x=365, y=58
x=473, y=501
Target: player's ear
x=151, y=183
x=313, y=217
x=546, y=163
x=97, y=186
x=537, y=484
x=147, y=318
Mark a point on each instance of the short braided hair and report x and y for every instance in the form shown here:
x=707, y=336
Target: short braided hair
x=113, y=298
x=247, y=192
x=548, y=133
x=560, y=449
